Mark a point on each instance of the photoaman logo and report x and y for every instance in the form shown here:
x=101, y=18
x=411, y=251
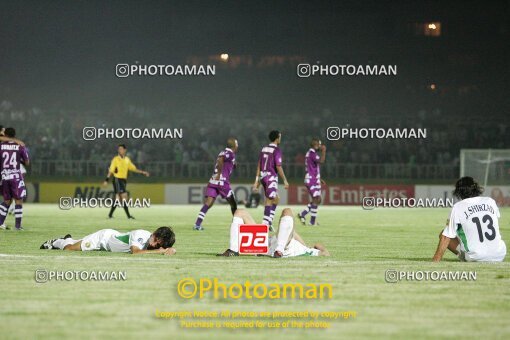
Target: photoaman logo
x=189, y=288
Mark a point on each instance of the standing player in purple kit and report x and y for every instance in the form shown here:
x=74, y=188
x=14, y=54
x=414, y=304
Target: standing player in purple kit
x=12, y=156
x=313, y=179
x=219, y=184
x=268, y=168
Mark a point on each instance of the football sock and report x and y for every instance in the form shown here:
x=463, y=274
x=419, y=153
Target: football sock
x=284, y=232
x=201, y=214
x=18, y=215
x=112, y=209
x=126, y=209
x=306, y=211
x=234, y=233
x=3, y=212
x=313, y=213
x=267, y=213
x=271, y=213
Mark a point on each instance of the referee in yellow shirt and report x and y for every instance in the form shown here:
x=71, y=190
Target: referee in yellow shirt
x=119, y=168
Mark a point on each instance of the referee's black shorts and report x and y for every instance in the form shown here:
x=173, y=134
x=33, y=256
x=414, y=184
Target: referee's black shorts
x=119, y=185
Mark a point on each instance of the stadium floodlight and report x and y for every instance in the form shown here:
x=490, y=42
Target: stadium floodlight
x=224, y=57
x=492, y=166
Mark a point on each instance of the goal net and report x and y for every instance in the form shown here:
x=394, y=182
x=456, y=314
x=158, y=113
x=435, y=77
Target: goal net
x=486, y=166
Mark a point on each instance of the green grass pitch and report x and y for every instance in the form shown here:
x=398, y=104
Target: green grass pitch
x=363, y=244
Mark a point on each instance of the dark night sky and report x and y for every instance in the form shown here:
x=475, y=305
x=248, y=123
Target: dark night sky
x=55, y=49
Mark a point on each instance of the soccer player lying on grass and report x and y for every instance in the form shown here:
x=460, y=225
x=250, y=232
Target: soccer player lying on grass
x=472, y=232
x=287, y=243
x=134, y=242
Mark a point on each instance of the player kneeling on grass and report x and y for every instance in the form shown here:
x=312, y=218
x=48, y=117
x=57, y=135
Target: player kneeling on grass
x=472, y=232
x=135, y=242
x=287, y=243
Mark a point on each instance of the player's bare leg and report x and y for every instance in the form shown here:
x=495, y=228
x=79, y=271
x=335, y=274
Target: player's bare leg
x=4, y=207
x=241, y=216
x=209, y=202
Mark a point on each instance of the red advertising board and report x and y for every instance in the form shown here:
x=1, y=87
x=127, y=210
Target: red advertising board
x=350, y=194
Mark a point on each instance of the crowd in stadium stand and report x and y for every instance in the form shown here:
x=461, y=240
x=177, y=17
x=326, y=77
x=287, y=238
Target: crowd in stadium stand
x=55, y=135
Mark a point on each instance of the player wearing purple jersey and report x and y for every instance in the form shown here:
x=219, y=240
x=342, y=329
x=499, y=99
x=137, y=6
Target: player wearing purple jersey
x=12, y=156
x=219, y=184
x=268, y=169
x=313, y=179
x=3, y=138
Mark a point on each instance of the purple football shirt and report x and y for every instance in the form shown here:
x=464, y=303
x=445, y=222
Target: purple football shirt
x=229, y=162
x=312, y=164
x=269, y=158
x=12, y=155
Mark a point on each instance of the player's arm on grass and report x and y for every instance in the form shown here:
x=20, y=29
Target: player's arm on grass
x=133, y=168
x=446, y=236
x=162, y=251
x=9, y=139
x=322, y=250
x=444, y=241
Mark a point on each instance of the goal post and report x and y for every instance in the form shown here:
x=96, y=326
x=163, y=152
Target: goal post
x=487, y=166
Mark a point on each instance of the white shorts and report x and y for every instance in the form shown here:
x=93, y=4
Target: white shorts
x=294, y=248
x=498, y=255
x=98, y=240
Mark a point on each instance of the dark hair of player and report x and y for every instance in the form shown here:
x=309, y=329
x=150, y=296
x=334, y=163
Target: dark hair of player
x=10, y=132
x=231, y=142
x=314, y=140
x=467, y=187
x=165, y=237
x=123, y=145
x=273, y=135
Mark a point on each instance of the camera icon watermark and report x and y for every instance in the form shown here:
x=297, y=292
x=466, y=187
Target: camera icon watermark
x=368, y=203
x=89, y=133
x=391, y=276
x=304, y=70
x=41, y=276
x=65, y=203
x=122, y=70
x=333, y=133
